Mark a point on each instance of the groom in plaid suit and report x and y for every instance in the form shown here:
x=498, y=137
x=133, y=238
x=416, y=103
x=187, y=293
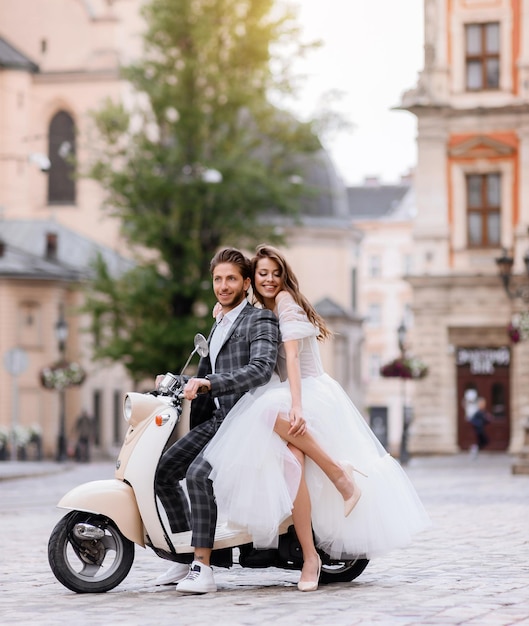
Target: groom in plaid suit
x=242, y=355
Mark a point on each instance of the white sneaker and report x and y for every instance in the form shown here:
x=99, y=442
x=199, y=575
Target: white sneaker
x=199, y=580
x=175, y=573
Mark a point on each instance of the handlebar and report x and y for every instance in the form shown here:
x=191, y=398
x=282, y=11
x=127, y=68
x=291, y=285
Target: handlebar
x=173, y=384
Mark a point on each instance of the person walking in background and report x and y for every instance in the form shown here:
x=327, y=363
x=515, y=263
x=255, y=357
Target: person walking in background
x=470, y=403
x=84, y=428
x=479, y=421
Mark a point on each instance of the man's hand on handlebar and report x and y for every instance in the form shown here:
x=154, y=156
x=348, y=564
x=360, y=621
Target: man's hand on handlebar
x=194, y=386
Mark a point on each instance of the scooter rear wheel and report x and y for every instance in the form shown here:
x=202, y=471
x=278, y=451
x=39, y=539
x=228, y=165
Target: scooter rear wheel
x=343, y=571
x=89, y=565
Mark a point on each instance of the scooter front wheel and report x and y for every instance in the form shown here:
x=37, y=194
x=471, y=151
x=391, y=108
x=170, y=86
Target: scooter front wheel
x=88, y=554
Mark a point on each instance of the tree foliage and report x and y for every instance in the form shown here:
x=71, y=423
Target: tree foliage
x=200, y=106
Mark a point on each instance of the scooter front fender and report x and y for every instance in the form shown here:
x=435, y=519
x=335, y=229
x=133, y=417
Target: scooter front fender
x=112, y=498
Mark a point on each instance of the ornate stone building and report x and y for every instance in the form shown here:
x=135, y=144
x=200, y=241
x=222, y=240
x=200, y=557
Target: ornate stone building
x=59, y=60
x=472, y=197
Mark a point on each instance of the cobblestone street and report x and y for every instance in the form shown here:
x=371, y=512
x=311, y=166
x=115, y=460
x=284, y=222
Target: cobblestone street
x=471, y=567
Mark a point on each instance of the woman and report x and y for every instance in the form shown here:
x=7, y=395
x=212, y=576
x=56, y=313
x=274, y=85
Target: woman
x=259, y=480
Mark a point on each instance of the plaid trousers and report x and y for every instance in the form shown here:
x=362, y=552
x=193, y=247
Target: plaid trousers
x=183, y=460
x=246, y=360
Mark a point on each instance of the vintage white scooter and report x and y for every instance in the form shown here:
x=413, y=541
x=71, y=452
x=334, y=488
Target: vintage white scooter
x=91, y=549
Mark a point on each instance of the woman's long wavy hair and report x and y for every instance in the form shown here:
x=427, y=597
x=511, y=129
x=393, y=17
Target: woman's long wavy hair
x=290, y=284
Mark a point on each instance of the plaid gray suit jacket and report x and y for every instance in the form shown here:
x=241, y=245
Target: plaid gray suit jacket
x=246, y=360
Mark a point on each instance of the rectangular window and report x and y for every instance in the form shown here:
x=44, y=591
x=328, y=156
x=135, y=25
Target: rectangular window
x=375, y=362
x=354, y=288
x=118, y=417
x=407, y=266
x=97, y=402
x=374, y=266
x=374, y=315
x=378, y=420
x=29, y=321
x=408, y=316
x=482, y=56
x=483, y=210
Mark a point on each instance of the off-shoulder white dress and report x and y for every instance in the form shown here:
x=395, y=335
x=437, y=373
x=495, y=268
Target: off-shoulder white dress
x=256, y=477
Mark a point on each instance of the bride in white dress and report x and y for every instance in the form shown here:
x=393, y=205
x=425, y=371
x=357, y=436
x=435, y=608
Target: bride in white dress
x=258, y=477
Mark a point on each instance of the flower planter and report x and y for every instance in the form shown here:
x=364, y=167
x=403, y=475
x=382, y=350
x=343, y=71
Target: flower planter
x=61, y=375
x=407, y=367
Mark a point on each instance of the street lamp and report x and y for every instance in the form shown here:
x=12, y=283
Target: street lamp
x=401, y=336
x=61, y=334
x=406, y=418
x=505, y=263
x=403, y=367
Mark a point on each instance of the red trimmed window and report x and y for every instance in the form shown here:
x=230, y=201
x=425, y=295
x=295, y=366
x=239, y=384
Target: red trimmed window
x=482, y=56
x=483, y=209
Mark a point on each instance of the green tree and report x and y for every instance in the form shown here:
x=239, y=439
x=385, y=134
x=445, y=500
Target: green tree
x=201, y=107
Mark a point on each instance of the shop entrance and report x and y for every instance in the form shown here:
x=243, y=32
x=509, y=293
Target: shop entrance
x=484, y=371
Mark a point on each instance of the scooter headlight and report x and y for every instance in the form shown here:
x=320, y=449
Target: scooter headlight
x=127, y=408
x=141, y=406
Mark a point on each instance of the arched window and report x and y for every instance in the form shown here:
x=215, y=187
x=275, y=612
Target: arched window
x=61, y=152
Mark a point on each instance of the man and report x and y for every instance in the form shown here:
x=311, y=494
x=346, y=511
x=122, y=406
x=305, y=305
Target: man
x=84, y=430
x=242, y=355
x=479, y=421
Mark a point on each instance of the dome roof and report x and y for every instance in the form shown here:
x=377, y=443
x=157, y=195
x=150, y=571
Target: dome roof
x=326, y=194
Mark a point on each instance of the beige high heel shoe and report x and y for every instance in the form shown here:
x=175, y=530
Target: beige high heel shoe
x=351, y=502
x=311, y=585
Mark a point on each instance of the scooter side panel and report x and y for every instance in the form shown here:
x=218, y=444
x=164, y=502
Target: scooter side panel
x=145, y=408
x=137, y=463
x=112, y=498
x=140, y=471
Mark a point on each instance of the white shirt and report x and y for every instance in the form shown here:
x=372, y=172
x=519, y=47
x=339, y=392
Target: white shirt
x=221, y=330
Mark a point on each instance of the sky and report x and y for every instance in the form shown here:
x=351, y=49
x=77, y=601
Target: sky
x=372, y=52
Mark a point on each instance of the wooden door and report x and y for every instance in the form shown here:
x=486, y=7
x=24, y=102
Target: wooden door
x=494, y=387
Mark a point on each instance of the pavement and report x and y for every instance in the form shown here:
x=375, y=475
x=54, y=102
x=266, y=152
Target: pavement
x=10, y=470
x=471, y=568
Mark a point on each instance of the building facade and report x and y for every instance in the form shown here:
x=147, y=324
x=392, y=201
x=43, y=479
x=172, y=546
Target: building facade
x=471, y=182
x=43, y=268
x=59, y=61
x=384, y=214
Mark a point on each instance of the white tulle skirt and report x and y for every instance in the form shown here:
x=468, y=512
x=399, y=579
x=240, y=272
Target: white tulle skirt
x=256, y=477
